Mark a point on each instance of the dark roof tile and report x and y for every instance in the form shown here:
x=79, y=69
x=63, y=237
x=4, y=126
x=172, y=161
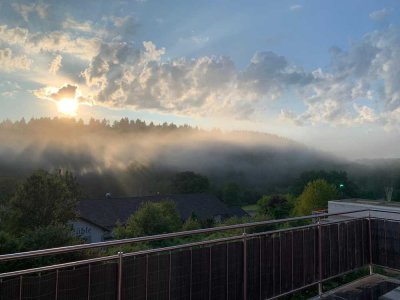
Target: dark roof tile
x=106, y=212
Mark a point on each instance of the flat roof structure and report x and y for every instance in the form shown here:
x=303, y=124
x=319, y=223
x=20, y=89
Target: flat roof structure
x=378, y=208
x=371, y=287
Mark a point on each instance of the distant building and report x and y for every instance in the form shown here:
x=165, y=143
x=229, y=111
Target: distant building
x=97, y=218
x=345, y=205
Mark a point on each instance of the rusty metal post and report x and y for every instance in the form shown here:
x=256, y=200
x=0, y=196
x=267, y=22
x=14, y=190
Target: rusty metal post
x=169, y=277
x=56, y=295
x=244, y=264
x=120, y=261
x=319, y=257
x=147, y=276
x=89, y=280
x=20, y=287
x=370, y=244
x=210, y=273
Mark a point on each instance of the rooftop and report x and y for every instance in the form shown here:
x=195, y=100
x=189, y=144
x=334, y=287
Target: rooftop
x=369, y=202
x=106, y=212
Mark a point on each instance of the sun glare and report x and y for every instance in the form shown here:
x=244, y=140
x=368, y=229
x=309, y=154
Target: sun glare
x=68, y=106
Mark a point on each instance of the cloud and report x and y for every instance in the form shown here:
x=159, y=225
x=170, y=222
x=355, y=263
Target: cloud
x=70, y=23
x=25, y=10
x=379, y=15
x=368, y=72
x=53, y=42
x=55, y=64
x=9, y=88
x=10, y=62
x=124, y=76
x=295, y=7
x=200, y=39
x=67, y=91
x=119, y=28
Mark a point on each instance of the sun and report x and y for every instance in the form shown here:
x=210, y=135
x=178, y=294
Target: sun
x=68, y=106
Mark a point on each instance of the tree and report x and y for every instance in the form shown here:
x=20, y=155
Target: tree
x=231, y=194
x=339, y=179
x=316, y=195
x=47, y=237
x=43, y=199
x=151, y=218
x=190, y=182
x=191, y=223
x=276, y=206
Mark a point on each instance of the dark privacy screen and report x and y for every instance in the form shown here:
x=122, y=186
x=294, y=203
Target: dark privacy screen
x=276, y=263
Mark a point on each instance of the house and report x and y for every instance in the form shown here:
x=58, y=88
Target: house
x=97, y=218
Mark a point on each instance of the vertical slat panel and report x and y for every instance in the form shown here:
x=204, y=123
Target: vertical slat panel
x=267, y=267
x=39, y=287
x=350, y=245
x=180, y=274
x=310, y=255
x=73, y=284
x=277, y=264
x=326, y=251
x=9, y=289
x=298, y=259
x=200, y=273
x=343, y=247
x=158, y=273
x=287, y=268
x=334, y=249
x=235, y=274
x=358, y=243
x=103, y=281
x=253, y=268
x=135, y=276
x=365, y=232
x=218, y=272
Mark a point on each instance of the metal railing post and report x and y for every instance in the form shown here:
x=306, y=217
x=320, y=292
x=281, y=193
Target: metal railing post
x=370, y=243
x=120, y=261
x=244, y=264
x=319, y=257
x=56, y=295
x=89, y=281
x=20, y=287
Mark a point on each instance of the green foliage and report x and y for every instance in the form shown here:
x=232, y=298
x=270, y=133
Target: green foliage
x=8, y=243
x=43, y=199
x=47, y=237
x=8, y=186
x=345, y=187
x=276, y=206
x=191, y=223
x=39, y=238
x=151, y=218
x=190, y=182
x=316, y=195
x=231, y=194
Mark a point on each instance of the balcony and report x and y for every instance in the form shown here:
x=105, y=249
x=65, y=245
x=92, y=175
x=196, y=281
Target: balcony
x=267, y=264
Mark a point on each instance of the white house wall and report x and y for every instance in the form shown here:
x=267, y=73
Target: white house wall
x=89, y=232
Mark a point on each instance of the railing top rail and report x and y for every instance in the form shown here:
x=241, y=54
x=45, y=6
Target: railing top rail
x=74, y=248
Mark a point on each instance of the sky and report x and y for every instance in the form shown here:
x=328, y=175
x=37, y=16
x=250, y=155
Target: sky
x=325, y=73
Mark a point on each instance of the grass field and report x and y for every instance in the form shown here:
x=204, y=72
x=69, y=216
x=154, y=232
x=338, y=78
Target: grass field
x=250, y=209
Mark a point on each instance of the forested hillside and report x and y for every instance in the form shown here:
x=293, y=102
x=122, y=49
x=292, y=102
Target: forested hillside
x=130, y=157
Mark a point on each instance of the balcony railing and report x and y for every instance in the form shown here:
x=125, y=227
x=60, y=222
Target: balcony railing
x=262, y=265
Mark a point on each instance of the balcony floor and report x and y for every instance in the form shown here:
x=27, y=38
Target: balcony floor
x=370, y=287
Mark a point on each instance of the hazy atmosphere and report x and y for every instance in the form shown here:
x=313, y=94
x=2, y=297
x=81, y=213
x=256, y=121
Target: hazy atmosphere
x=225, y=149
x=325, y=74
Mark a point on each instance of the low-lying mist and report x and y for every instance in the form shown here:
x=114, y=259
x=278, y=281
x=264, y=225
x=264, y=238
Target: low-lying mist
x=135, y=158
